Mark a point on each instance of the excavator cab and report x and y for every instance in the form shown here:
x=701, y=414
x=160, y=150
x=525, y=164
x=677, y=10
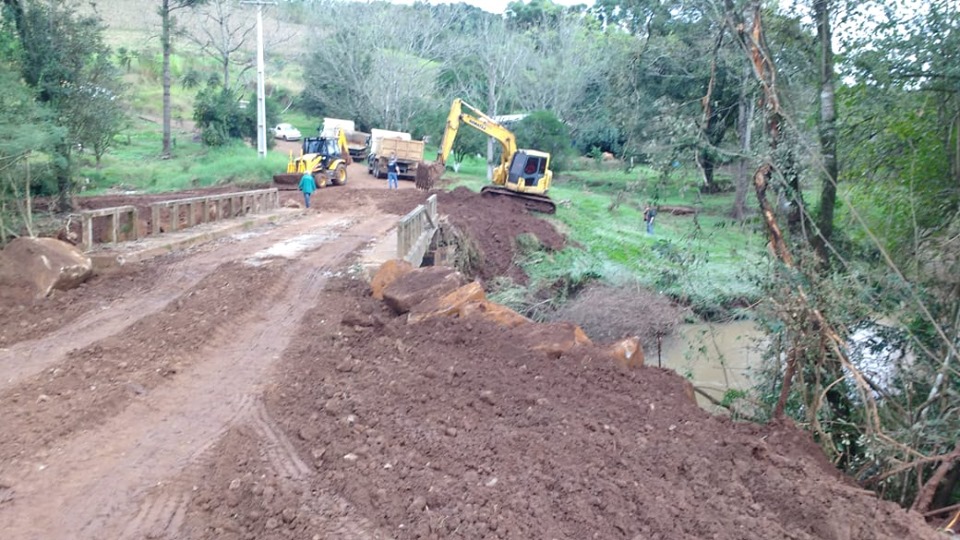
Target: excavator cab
x=522, y=174
x=528, y=170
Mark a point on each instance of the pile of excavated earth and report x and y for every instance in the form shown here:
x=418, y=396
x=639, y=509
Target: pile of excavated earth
x=407, y=406
x=420, y=409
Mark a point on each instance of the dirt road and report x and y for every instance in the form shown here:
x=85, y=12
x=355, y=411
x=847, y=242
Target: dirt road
x=251, y=388
x=101, y=413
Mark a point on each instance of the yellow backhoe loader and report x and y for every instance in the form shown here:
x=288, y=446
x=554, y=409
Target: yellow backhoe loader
x=326, y=156
x=522, y=174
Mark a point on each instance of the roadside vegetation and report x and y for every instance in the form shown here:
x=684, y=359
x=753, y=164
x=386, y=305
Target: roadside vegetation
x=822, y=189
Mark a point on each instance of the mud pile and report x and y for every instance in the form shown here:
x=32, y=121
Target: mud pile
x=450, y=428
x=494, y=224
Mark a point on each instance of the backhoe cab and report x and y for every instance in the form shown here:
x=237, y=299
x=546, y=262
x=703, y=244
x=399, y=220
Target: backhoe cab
x=522, y=174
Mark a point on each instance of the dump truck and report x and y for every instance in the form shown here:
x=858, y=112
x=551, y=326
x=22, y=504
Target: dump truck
x=357, y=141
x=383, y=143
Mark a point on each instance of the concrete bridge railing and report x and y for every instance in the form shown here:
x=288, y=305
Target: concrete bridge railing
x=203, y=209
x=113, y=214
x=416, y=230
x=211, y=208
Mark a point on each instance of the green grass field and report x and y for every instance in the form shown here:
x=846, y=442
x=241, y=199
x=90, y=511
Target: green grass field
x=709, y=261
x=133, y=164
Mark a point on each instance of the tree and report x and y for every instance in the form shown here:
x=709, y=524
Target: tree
x=533, y=14
x=745, y=110
x=468, y=142
x=380, y=72
x=167, y=8
x=221, y=119
x=220, y=33
x=17, y=109
x=542, y=130
x=567, y=74
x=488, y=67
x=64, y=58
x=827, y=126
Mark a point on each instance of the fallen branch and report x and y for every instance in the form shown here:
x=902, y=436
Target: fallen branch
x=925, y=497
x=943, y=510
x=907, y=466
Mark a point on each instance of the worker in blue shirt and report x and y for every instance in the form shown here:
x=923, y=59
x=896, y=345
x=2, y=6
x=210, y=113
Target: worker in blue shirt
x=307, y=186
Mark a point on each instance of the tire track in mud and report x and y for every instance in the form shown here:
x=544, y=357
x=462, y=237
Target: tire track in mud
x=283, y=457
x=100, y=380
x=164, y=506
x=251, y=467
x=103, y=473
x=177, y=273
x=165, y=509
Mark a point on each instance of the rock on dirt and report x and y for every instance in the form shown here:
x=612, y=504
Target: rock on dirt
x=412, y=288
x=33, y=267
x=387, y=274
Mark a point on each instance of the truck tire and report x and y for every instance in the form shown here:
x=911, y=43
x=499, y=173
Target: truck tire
x=376, y=169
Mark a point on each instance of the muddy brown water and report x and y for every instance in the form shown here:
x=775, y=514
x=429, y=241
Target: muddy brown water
x=715, y=357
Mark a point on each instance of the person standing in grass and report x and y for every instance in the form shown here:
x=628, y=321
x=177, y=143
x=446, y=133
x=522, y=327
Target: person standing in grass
x=307, y=186
x=393, y=172
x=649, y=214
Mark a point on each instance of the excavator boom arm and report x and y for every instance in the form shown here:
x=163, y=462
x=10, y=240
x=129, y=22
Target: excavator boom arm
x=477, y=120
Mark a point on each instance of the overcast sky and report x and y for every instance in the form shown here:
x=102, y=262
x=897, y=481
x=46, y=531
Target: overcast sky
x=493, y=6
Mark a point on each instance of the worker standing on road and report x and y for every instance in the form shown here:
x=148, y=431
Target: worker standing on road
x=393, y=172
x=307, y=186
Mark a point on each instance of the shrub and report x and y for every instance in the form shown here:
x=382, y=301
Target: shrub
x=542, y=130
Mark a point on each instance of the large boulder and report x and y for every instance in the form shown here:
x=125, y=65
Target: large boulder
x=420, y=284
x=35, y=266
x=491, y=311
x=628, y=352
x=554, y=339
x=448, y=305
x=387, y=274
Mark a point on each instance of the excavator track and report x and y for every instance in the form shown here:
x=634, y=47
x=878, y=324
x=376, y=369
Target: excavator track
x=534, y=203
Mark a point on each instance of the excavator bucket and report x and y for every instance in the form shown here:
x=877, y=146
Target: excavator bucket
x=428, y=174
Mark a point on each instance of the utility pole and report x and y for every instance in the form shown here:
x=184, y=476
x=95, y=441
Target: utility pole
x=261, y=105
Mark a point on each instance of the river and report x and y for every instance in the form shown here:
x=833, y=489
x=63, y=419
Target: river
x=715, y=357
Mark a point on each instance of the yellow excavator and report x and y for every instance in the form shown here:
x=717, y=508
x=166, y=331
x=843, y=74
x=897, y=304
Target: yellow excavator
x=522, y=174
x=326, y=156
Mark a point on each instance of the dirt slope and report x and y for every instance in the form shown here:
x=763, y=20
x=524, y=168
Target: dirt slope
x=448, y=429
x=251, y=388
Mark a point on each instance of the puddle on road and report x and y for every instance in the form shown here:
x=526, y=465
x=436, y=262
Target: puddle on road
x=247, y=235
x=291, y=248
